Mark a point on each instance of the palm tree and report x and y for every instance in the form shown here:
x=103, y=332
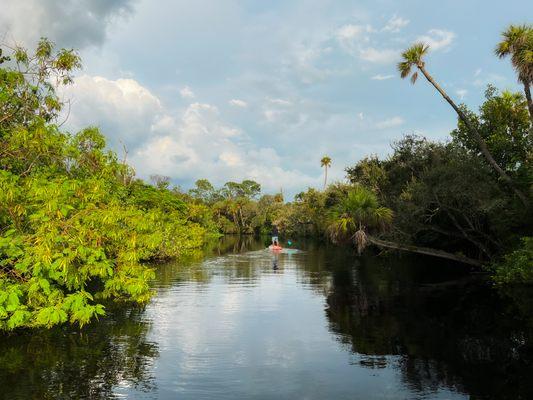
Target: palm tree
x=357, y=212
x=326, y=163
x=517, y=42
x=413, y=58
x=360, y=213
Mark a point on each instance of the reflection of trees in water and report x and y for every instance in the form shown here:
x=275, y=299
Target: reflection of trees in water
x=316, y=262
x=194, y=266
x=463, y=336
x=68, y=364
x=235, y=244
x=65, y=363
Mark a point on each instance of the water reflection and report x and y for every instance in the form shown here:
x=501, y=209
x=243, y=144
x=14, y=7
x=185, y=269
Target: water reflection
x=459, y=334
x=238, y=321
x=69, y=364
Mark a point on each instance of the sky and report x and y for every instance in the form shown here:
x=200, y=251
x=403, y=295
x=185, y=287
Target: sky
x=241, y=89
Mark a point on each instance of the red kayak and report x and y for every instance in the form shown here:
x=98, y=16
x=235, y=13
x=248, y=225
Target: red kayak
x=275, y=248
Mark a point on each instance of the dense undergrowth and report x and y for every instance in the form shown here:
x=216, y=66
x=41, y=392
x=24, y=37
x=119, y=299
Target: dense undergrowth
x=75, y=224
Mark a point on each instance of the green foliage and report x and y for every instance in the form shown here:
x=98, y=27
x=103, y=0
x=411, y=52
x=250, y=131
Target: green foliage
x=75, y=227
x=445, y=196
x=358, y=212
x=412, y=57
x=517, y=266
x=236, y=207
x=504, y=124
x=325, y=161
x=517, y=42
x=28, y=89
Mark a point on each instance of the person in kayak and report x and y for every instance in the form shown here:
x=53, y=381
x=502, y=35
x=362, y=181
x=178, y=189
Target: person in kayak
x=275, y=234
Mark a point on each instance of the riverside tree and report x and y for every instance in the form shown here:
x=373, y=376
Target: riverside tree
x=75, y=224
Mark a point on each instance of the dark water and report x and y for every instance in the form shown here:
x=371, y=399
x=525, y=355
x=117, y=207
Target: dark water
x=318, y=323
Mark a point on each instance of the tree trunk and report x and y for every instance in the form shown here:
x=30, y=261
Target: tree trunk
x=481, y=142
x=424, y=250
x=527, y=91
x=325, y=176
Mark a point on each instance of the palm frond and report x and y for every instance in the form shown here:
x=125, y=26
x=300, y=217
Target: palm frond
x=404, y=68
x=414, y=77
x=412, y=57
x=502, y=49
x=517, y=42
x=360, y=240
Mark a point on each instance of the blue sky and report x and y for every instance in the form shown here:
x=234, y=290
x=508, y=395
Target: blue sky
x=228, y=90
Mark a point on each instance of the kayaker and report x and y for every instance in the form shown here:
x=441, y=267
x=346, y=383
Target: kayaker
x=275, y=234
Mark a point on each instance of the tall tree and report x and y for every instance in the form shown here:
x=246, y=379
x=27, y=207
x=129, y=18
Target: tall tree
x=413, y=58
x=326, y=163
x=517, y=42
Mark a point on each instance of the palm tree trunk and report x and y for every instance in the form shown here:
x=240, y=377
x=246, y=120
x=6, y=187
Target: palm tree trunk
x=325, y=176
x=481, y=142
x=424, y=250
x=527, y=91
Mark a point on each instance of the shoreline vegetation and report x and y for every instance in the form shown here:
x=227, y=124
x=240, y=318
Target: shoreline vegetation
x=77, y=227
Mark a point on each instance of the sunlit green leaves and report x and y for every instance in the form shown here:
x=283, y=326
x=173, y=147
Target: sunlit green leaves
x=75, y=227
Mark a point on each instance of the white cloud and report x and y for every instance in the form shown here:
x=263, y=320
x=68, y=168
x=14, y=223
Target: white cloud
x=352, y=37
x=477, y=72
x=173, y=143
x=351, y=32
x=231, y=159
x=461, y=93
x=361, y=116
x=285, y=113
x=181, y=153
x=186, y=93
x=124, y=110
x=238, y=103
x=366, y=43
x=380, y=77
x=390, y=123
x=374, y=55
x=303, y=61
x=438, y=39
x=395, y=24
x=281, y=102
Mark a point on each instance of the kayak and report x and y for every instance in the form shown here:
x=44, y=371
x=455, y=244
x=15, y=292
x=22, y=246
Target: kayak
x=272, y=247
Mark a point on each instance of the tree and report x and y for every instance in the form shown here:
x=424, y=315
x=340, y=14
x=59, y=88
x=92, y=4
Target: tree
x=503, y=122
x=516, y=267
x=73, y=231
x=203, y=191
x=517, y=42
x=413, y=57
x=368, y=172
x=28, y=90
x=160, y=181
x=358, y=212
x=326, y=163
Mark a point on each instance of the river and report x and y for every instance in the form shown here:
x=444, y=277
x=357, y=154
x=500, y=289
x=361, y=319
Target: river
x=314, y=322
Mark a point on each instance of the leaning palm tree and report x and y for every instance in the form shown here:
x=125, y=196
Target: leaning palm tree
x=413, y=58
x=356, y=213
x=326, y=163
x=359, y=215
x=517, y=42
